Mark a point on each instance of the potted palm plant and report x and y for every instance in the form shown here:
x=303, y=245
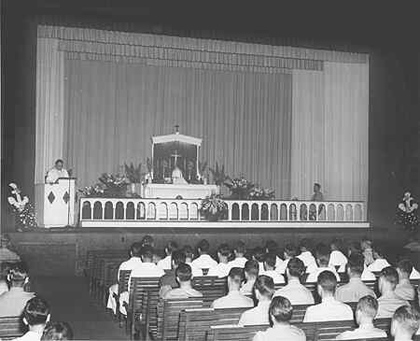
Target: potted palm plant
x=214, y=208
x=134, y=176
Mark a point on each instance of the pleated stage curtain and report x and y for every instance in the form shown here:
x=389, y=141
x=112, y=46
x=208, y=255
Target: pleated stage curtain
x=112, y=109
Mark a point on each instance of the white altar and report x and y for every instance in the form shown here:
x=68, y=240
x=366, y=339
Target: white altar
x=184, y=191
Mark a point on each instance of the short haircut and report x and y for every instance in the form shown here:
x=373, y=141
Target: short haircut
x=378, y=253
x=296, y=267
x=270, y=259
x=36, y=311
x=183, y=272
x=148, y=240
x=58, y=331
x=236, y=275
x=368, y=305
x=265, y=286
x=281, y=309
x=317, y=185
x=409, y=319
x=224, y=250
x=188, y=250
x=322, y=253
x=327, y=281
x=135, y=249
x=259, y=254
x=18, y=274
x=338, y=243
x=356, y=263
x=147, y=252
x=171, y=246
x=272, y=246
x=252, y=268
x=58, y=161
x=405, y=265
x=290, y=250
x=240, y=247
x=304, y=243
x=390, y=275
x=203, y=245
x=178, y=257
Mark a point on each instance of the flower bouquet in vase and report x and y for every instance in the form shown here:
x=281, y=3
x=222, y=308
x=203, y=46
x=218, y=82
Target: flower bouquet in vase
x=239, y=188
x=214, y=208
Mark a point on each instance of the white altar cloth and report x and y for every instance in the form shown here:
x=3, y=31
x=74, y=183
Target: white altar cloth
x=187, y=191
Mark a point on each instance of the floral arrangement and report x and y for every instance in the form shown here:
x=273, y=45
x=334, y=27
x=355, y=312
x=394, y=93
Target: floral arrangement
x=258, y=193
x=407, y=213
x=239, y=187
x=109, y=185
x=133, y=173
x=214, y=207
x=22, y=209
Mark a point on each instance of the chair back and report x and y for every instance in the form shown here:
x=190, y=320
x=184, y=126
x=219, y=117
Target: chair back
x=211, y=287
x=124, y=276
x=11, y=327
x=234, y=333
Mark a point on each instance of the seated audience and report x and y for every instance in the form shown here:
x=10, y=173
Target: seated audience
x=389, y=300
x=239, y=253
x=337, y=259
x=133, y=262
x=404, y=289
x=204, y=260
x=189, y=256
x=379, y=261
x=166, y=263
x=183, y=276
x=222, y=269
x=36, y=315
x=322, y=253
x=272, y=247
x=288, y=253
x=13, y=301
x=264, y=290
x=405, y=323
x=251, y=272
x=294, y=291
x=355, y=288
x=269, y=269
x=57, y=331
x=306, y=256
x=234, y=298
x=281, y=312
x=258, y=254
x=330, y=309
x=168, y=280
x=366, y=310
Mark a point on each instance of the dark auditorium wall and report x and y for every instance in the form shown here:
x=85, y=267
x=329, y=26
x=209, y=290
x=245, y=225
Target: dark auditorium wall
x=394, y=90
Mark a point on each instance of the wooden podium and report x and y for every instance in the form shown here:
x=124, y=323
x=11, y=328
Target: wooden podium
x=55, y=203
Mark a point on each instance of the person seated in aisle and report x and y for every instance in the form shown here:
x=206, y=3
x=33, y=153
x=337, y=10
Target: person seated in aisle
x=280, y=314
x=36, y=315
x=337, y=258
x=329, y=309
x=366, y=310
x=12, y=302
x=366, y=247
x=272, y=247
x=133, y=262
x=294, y=291
x=55, y=331
x=322, y=253
x=189, y=256
x=234, y=298
x=166, y=263
x=269, y=268
x=264, y=290
x=306, y=255
x=404, y=288
x=204, y=261
x=355, y=288
x=251, y=272
x=405, y=323
x=289, y=252
x=148, y=240
x=168, y=280
x=183, y=276
x=221, y=270
x=379, y=262
x=258, y=254
x=239, y=251
x=389, y=301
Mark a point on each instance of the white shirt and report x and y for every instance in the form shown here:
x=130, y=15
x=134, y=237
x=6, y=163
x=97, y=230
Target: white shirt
x=368, y=331
x=130, y=264
x=220, y=270
x=234, y=299
x=275, y=275
x=415, y=274
x=337, y=258
x=378, y=265
x=145, y=270
x=204, y=262
x=256, y=316
x=196, y=272
x=283, y=266
x=29, y=336
x=281, y=333
x=54, y=174
x=405, y=290
x=247, y=287
x=368, y=275
x=313, y=276
x=387, y=304
x=309, y=261
x=296, y=293
x=238, y=262
x=279, y=262
x=165, y=263
x=329, y=310
x=354, y=290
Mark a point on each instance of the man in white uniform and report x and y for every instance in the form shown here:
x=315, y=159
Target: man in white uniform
x=56, y=172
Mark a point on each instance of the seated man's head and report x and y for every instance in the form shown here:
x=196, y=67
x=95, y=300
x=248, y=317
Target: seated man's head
x=405, y=323
x=366, y=310
x=336, y=244
x=223, y=253
x=258, y=254
x=183, y=274
x=57, y=331
x=239, y=249
x=270, y=261
x=295, y=268
x=264, y=288
x=378, y=253
x=170, y=247
x=235, y=278
x=147, y=254
x=36, y=313
x=327, y=283
x=18, y=275
x=280, y=311
x=177, y=258
x=365, y=244
x=355, y=265
x=189, y=253
x=304, y=245
x=148, y=240
x=404, y=269
x=271, y=247
x=251, y=270
x=290, y=251
x=388, y=280
x=135, y=249
x=322, y=255
x=203, y=247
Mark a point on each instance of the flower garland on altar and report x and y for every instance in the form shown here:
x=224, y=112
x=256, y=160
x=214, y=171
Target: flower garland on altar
x=22, y=209
x=109, y=186
x=407, y=215
x=243, y=189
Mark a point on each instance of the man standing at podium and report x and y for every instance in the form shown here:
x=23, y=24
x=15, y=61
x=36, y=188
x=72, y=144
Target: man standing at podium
x=56, y=172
